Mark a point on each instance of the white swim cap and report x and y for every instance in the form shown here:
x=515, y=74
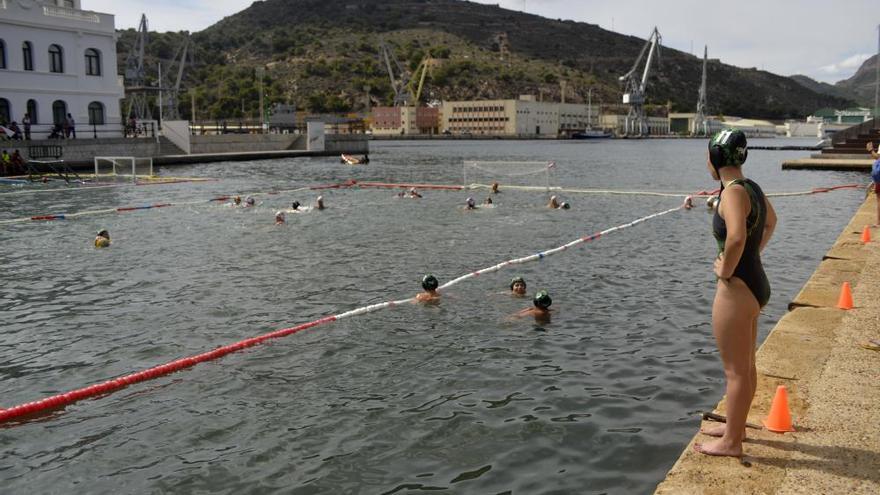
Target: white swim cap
x=470, y=201
x=552, y=198
x=412, y=189
x=320, y=198
x=279, y=214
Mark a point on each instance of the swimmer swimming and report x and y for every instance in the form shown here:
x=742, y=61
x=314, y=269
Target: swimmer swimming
x=236, y=201
x=430, y=284
x=488, y=201
x=518, y=286
x=102, y=240
x=319, y=204
x=495, y=188
x=553, y=203
x=250, y=201
x=413, y=193
x=470, y=204
x=541, y=307
x=295, y=206
x=279, y=217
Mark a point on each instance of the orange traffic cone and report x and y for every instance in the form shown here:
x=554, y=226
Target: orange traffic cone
x=779, y=419
x=845, y=301
x=866, y=235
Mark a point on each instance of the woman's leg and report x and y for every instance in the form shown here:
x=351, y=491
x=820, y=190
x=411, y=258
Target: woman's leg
x=734, y=315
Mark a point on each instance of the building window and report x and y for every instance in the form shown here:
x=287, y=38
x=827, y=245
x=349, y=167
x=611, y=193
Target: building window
x=59, y=112
x=93, y=62
x=32, y=111
x=66, y=3
x=96, y=113
x=2, y=55
x=5, y=112
x=56, y=59
x=27, y=55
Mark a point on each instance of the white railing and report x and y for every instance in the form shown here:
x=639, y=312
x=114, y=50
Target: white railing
x=72, y=14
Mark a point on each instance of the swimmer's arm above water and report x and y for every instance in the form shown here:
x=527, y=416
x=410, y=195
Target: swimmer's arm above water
x=734, y=209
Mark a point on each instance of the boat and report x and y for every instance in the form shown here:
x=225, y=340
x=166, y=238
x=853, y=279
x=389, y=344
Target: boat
x=591, y=134
x=353, y=160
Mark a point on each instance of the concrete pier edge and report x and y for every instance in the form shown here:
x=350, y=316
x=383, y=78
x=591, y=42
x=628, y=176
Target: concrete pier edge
x=833, y=385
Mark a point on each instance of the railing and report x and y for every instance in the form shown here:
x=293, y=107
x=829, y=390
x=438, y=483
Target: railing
x=72, y=14
x=86, y=131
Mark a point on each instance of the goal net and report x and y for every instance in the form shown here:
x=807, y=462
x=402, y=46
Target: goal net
x=521, y=175
x=114, y=168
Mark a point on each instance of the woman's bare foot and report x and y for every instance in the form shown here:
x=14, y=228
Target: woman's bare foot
x=716, y=431
x=719, y=448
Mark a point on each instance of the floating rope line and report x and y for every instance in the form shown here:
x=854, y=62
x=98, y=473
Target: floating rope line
x=124, y=209
x=109, y=386
x=91, y=187
x=389, y=185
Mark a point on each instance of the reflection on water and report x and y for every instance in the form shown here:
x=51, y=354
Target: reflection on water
x=454, y=396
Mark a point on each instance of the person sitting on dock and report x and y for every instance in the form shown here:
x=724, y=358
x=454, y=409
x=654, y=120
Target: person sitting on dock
x=319, y=203
x=518, y=286
x=541, y=307
x=102, y=240
x=17, y=162
x=430, y=284
x=414, y=194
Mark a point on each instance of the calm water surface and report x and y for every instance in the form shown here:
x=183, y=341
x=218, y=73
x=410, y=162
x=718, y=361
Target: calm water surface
x=454, y=397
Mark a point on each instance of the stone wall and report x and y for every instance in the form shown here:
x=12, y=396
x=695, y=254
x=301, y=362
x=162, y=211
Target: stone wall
x=241, y=143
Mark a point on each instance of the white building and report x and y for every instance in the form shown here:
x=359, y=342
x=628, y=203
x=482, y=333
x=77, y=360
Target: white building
x=57, y=59
x=520, y=117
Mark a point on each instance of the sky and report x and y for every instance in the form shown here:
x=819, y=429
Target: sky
x=825, y=40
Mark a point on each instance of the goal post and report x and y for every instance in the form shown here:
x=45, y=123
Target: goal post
x=511, y=174
x=123, y=167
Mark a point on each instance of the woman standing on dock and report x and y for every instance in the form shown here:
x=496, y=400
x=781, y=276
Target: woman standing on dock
x=743, y=224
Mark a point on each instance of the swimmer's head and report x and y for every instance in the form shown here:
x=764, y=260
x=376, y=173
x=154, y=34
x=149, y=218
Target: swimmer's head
x=320, y=199
x=518, y=285
x=295, y=205
x=279, y=217
x=728, y=148
x=250, y=201
x=104, y=234
x=237, y=200
x=471, y=203
x=542, y=299
x=429, y=282
x=412, y=190
x=552, y=198
x=565, y=205
x=494, y=187
x=488, y=201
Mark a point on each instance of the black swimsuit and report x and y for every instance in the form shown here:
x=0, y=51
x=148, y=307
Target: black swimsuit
x=749, y=268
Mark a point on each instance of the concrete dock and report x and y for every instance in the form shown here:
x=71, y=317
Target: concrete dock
x=833, y=386
x=858, y=164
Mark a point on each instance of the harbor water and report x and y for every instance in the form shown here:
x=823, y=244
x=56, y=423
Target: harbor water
x=456, y=396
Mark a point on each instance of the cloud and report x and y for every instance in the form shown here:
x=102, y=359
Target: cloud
x=847, y=65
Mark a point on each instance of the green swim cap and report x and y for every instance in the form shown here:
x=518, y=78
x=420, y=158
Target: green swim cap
x=429, y=282
x=542, y=299
x=728, y=148
x=514, y=280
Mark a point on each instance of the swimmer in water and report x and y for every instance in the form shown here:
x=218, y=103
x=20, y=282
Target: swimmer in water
x=518, y=286
x=401, y=194
x=236, y=201
x=712, y=202
x=413, y=193
x=320, y=203
x=295, y=206
x=470, y=204
x=279, y=218
x=102, y=240
x=488, y=201
x=553, y=203
x=564, y=206
x=249, y=201
x=541, y=309
x=430, y=284
x=688, y=203
x=495, y=188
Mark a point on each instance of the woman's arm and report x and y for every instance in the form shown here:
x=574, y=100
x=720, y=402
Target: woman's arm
x=734, y=209
x=769, y=224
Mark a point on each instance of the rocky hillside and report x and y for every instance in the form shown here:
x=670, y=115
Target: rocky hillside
x=858, y=88
x=323, y=55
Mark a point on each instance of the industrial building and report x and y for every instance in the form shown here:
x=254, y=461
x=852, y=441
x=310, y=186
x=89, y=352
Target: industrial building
x=405, y=120
x=520, y=117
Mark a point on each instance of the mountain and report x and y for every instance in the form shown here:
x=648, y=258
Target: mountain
x=822, y=88
x=323, y=55
x=861, y=85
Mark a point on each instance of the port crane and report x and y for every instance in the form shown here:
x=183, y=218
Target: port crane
x=407, y=85
x=136, y=75
x=701, y=122
x=635, y=88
